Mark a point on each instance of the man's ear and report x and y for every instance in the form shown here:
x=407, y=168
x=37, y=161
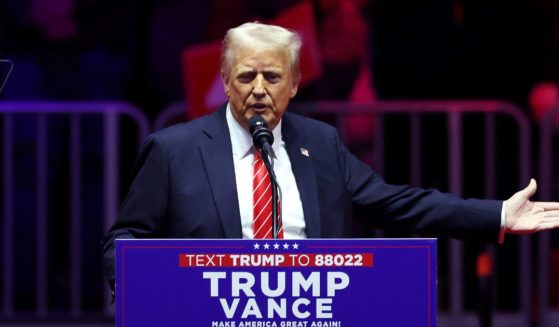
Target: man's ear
x=294, y=89
x=225, y=80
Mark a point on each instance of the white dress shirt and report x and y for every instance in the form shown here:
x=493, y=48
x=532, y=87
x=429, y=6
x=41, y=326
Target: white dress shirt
x=243, y=158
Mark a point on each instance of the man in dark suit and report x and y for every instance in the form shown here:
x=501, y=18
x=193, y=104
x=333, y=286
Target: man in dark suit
x=194, y=180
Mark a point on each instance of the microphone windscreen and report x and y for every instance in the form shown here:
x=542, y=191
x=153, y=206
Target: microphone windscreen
x=256, y=122
x=261, y=134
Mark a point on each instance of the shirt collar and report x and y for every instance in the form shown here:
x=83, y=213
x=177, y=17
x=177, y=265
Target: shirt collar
x=241, y=140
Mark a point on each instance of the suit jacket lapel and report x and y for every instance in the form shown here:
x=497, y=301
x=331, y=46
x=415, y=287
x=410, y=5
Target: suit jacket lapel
x=304, y=173
x=218, y=160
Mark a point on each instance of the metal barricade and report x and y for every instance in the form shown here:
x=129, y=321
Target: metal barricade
x=455, y=113
x=67, y=120
x=548, y=191
x=454, y=266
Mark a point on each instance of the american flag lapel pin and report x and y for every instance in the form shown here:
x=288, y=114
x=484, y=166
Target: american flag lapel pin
x=305, y=152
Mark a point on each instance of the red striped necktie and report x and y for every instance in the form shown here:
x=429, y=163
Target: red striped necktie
x=262, y=201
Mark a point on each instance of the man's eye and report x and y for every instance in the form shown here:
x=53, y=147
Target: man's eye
x=245, y=78
x=273, y=77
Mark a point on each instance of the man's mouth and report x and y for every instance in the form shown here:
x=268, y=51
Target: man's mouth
x=259, y=106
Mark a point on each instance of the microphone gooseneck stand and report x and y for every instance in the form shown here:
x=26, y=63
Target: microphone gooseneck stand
x=276, y=216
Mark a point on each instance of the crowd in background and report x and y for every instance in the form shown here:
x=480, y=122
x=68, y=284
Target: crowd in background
x=129, y=50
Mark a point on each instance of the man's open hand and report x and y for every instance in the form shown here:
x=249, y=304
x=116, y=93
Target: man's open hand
x=524, y=216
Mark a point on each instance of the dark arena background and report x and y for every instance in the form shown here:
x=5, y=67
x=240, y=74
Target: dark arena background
x=458, y=95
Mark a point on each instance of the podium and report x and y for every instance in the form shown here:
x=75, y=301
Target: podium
x=266, y=283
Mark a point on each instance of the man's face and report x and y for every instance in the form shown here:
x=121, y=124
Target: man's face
x=260, y=82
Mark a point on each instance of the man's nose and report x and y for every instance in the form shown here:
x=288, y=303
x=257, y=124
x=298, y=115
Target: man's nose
x=259, y=86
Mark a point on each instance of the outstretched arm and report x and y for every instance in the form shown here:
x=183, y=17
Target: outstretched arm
x=524, y=216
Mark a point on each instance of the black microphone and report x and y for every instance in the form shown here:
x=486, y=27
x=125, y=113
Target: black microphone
x=262, y=136
x=6, y=67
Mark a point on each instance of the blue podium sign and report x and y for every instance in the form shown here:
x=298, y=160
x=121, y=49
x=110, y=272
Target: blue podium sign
x=276, y=283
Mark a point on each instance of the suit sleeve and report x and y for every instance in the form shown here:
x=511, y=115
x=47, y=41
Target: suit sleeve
x=415, y=209
x=143, y=212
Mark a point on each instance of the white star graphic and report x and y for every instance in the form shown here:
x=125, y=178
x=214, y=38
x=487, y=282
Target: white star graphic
x=276, y=246
x=256, y=246
x=266, y=246
x=295, y=246
x=285, y=246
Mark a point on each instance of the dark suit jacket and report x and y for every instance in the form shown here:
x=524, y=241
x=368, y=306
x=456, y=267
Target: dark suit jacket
x=185, y=187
